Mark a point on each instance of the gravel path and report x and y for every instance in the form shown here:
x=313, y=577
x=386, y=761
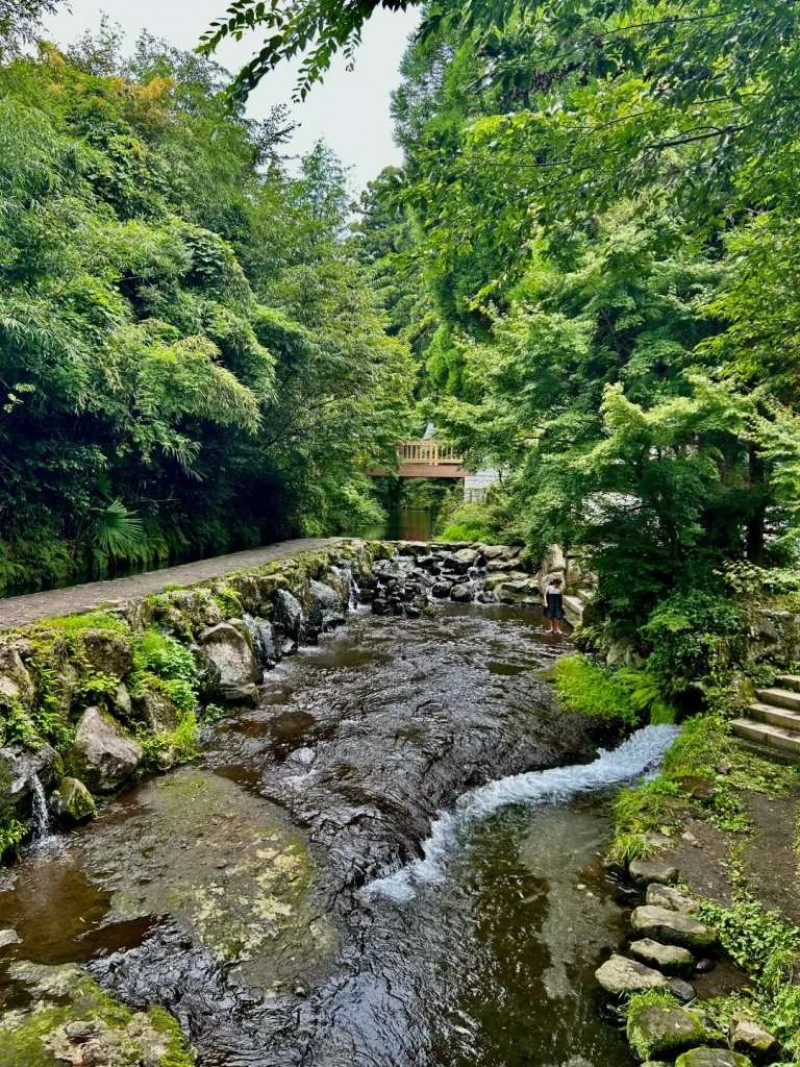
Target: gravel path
x=19, y=610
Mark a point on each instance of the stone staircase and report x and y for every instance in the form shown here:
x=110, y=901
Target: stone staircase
x=774, y=719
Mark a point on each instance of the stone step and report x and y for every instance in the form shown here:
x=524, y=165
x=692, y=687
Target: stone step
x=779, y=698
x=765, y=734
x=789, y=720
x=789, y=681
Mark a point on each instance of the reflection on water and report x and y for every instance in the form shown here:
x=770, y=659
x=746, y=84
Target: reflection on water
x=403, y=524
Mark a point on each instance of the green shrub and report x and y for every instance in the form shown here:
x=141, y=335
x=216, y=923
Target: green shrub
x=693, y=636
x=159, y=654
x=626, y=694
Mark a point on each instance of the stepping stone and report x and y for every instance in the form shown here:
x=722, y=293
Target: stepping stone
x=662, y=1031
x=667, y=896
x=671, y=927
x=682, y=990
x=671, y=959
x=644, y=871
x=620, y=976
x=712, y=1057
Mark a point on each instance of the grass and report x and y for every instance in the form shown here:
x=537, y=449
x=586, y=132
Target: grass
x=704, y=759
x=627, y=695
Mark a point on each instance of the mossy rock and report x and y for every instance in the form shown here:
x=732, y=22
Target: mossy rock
x=70, y=1013
x=72, y=802
x=105, y=651
x=663, y=1030
x=712, y=1057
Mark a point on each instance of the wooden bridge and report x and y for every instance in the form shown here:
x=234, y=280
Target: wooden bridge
x=427, y=458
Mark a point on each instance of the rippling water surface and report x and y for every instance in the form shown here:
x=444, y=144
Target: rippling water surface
x=393, y=860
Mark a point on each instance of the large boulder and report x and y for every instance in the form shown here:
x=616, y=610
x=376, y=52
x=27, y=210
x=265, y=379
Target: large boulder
x=621, y=977
x=102, y=756
x=671, y=959
x=672, y=927
x=72, y=803
x=712, y=1057
x=663, y=1031
x=326, y=606
x=231, y=668
x=289, y=614
x=461, y=593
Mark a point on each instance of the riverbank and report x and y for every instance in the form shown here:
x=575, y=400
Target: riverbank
x=719, y=827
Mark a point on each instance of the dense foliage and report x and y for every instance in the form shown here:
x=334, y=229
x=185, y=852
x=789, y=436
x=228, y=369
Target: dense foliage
x=191, y=358
x=599, y=209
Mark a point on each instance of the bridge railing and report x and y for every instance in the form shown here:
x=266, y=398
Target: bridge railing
x=429, y=452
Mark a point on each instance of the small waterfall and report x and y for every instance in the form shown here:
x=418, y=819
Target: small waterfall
x=345, y=572
x=641, y=752
x=42, y=836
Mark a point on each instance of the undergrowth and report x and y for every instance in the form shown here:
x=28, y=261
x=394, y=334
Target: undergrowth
x=766, y=946
x=627, y=695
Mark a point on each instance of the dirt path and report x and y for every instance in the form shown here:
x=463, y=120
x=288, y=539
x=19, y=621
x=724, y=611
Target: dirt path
x=19, y=610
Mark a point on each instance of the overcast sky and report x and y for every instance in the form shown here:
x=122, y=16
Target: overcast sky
x=350, y=110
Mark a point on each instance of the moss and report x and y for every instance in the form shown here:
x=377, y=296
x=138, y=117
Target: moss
x=703, y=775
x=65, y=995
x=91, y=620
x=658, y=1027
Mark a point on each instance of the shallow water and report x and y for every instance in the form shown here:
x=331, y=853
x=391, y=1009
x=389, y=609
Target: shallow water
x=377, y=866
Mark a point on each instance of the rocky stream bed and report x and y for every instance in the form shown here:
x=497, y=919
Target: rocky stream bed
x=389, y=854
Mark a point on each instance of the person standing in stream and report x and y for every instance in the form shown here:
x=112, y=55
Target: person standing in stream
x=554, y=605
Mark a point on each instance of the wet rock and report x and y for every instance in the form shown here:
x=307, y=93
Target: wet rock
x=672, y=927
x=226, y=867
x=461, y=593
x=501, y=566
x=660, y=1030
x=264, y=647
x=666, y=896
x=380, y=606
x=621, y=976
x=101, y=755
x=671, y=959
x=573, y=609
x=289, y=615
x=461, y=561
x=72, y=803
x=644, y=871
x=9, y=937
x=289, y=647
x=326, y=608
x=107, y=652
x=712, y=1057
x=231, y=668
x=705, y=966
x=413, y=611
x=747, y=1037
x=441, y=590
x=682, y=990
x=18, y=767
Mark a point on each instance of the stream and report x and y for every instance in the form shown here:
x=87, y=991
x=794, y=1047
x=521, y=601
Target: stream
x=393, y=860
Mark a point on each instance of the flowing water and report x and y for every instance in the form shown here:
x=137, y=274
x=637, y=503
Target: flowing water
x=393, y=860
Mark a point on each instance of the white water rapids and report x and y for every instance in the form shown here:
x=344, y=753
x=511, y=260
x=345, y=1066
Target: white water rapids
x=641, y=752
